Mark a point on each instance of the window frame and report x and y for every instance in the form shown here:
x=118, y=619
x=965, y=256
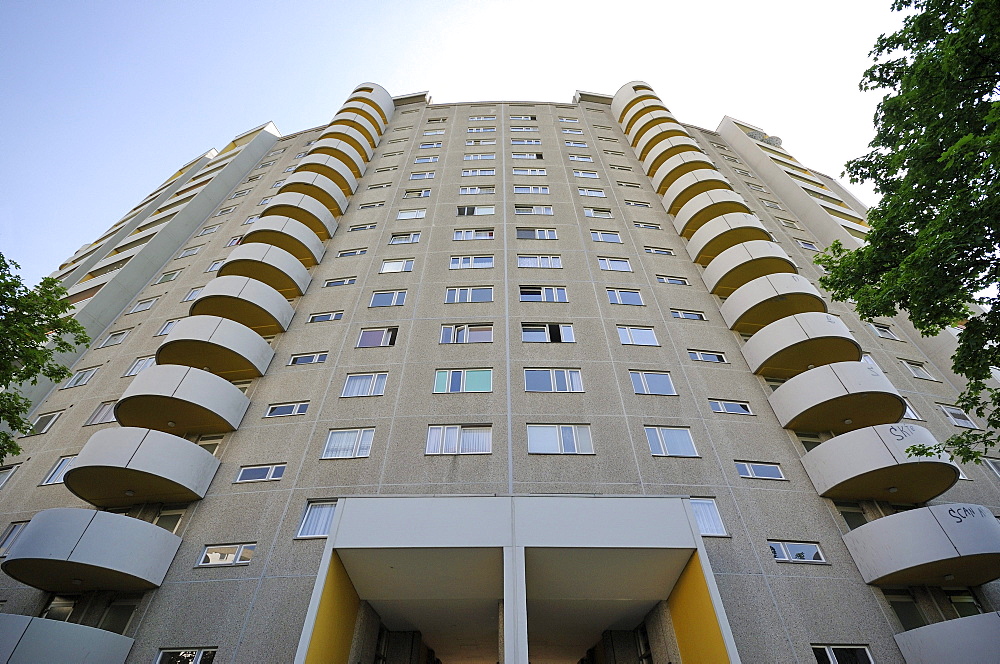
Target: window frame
x=459, y=429
x=275, y=471
x=364, y=438
x=238, y=560
x=378, y=381
x=577, y=434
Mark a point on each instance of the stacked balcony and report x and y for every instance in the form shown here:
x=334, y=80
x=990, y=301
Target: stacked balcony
x=826, y=388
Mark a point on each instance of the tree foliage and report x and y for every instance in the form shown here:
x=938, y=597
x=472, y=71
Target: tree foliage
x=933, y=245
x=34, y=327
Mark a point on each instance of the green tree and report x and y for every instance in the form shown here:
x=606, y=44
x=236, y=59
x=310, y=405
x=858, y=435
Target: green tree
x=34, y=327
x=933, y=246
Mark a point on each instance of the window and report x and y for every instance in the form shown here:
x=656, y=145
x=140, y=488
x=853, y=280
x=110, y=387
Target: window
x=529, y=118
x=796, y=552
x=789, y=223
x=455, y=439
x=624, y=296
x=9, y=535
x=771, y=204
x=242, y=192
x=81, y=377
x=433, y=132
x=676, y=281
x=317, y=519
x=539, y=261
x=481, y=130
x=536, y=234
x=480, y=156
x=370, y=206
x=388, y=298
x=404, y=238
x=274, y=152
x=562, y=119
x=733, y=407
x=529, y=171
x=614, y=264
x=637, y=336
x=307, y=358
x=434, y=144
x=670, y=441
x=918, y=370
x=481, y=141
x=169, y=519
x=324, y=316
x=841, y=654
x=227, y=210
x=6, y=472
x=465, y=191
x=471, y=262
x=660, y=251
x=581, y=157
x=377, y=337
x=252, y=218
x=584, y=174
x=910, y=413
x=417, y=193
x=559, y=439
x=572, y=131
x=287, y=409
x=806, y=244
x=191, y=294
x=426, y=175
x=652, y=382
x=266, y=164
x=639, y=204
x=553, y=380
x=524, y=128
x=598, y=213
x=474, y=294
x=533, y=209
x=467, y=334
x=361, y=227
x=473, y=234
x=543, y=294
x=399, y=265
x=348, y=443
x=629, y=185
x=754, y=186
x=44, y=422
x=478, y=171
x=706, y=513
x=386, y=169
x=104, y=413
x=143, y=305
x=411, y=214
x=596, y=193
x=266, y=473
x=760, y=471
x=475, y=210
x=606, y=236
x=463, y=380
x=547, y=333
x=689, y=315
x=365, y=385
x=526, y=155
x=167, y=326
x=227, y=554
x=277, y=184
x=352, y=252
x=958, y=417
x=114, y=338
x=525, y=141
x=436, y=120
x=55, y=475
x=963, y=601
x=475, y=118
x=343, y=281
x=214, y=266
x=167, y=276
x=706, y=356
x=425, y=160
x=884, y=331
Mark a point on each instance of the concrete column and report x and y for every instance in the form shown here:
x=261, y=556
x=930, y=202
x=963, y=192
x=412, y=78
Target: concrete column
x=514, y=634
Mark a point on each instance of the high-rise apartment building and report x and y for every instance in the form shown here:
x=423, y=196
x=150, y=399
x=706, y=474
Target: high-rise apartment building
x=493, y=382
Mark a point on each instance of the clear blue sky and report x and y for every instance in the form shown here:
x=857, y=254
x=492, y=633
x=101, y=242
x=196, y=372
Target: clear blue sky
x=104, y=100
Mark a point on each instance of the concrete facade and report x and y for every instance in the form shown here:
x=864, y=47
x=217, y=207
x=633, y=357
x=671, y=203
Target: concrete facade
x=393, y=341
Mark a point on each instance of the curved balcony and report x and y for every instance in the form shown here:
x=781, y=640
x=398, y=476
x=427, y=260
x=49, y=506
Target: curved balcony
x=745, y=262
x=333, y=168
x=305, y=209
x=656, y=121
x=705, y=207
x=345, y=152
x=317, y=186
x=365, y=110
x=27, y=640
x=639, y=113
x=352, y=137
x=270, y=265
x=872, y=464
x=359, y=122
x=219, y=345
x=690, y=185
x=724, y=232
x=764, y=300
x=76, y=550
x=293, y=236
x=626, y=105
x=660, y=151
x=171, y=398
x=838, y=397
x=377, y=96
x=968, y=640
x=955, y=544
x=678, y=165
x=246, y=301
x=797, y=343
x=129, y=466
